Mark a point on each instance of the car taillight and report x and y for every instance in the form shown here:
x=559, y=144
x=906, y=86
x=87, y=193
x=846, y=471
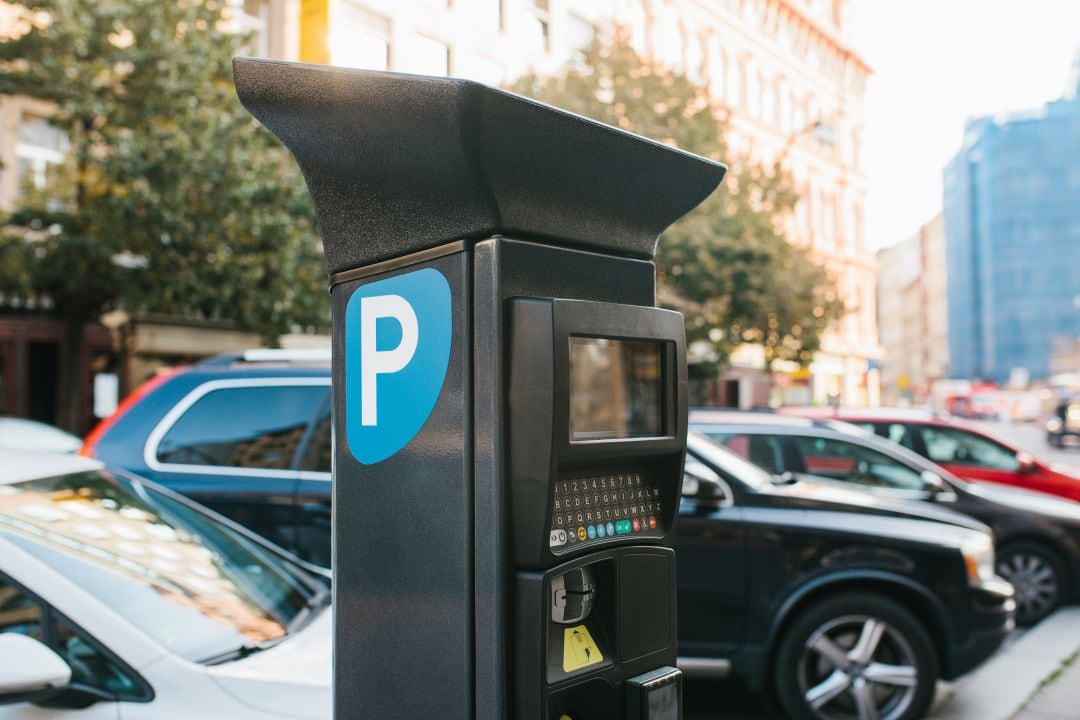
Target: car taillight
x=89, y=446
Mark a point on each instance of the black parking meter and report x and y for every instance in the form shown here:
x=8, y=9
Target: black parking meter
x=509, y=405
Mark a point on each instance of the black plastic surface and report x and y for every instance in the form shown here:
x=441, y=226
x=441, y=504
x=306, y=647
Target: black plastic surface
x=400, y=163
x=541, y=450
x=502, y=269
x=542, y=689
x=402, y=550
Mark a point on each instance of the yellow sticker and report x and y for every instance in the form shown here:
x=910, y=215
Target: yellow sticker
x=579, y=649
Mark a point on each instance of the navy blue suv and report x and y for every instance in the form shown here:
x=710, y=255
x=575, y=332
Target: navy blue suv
x=246, y=435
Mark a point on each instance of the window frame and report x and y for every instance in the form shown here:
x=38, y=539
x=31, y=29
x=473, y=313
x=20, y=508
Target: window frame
x=978, y=437
x=780, y=456
x=50, y=618
x=188, y=401
x=896, y=492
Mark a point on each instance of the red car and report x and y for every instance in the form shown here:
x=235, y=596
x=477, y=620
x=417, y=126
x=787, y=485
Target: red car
x=961, y=448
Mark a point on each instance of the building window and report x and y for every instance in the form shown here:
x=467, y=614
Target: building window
x=799, y=120
x=40, y=145
x=695, y=56
x=537, y=22
x=429, y=57
x=768, y=103
x=486, y=14
x=785, y=108
x=716, y=66
x=483, y=69
x=735, y=82
x=579, y=33
x=360, y=39
x=251, y=16
x=670, y=45
x=634, y=22
x=753, y=92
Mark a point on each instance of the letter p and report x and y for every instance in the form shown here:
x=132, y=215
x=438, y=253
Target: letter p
x=375, y=362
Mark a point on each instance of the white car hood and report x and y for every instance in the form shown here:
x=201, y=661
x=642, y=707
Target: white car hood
x=293, y=679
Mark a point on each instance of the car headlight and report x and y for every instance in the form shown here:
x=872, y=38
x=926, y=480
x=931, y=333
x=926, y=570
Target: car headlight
x=1053, y=424
x=978, y=554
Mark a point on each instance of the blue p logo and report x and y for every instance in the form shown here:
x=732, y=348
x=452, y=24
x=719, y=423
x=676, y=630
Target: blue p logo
x=397, y=347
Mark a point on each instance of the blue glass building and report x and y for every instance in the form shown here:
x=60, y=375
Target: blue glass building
x=1012, y=227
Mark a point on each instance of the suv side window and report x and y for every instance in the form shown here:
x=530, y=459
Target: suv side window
x=849, y=462
x=953, y=446
x=319, y=451
x=762, y=450
x=245, y=427
x=898, y=433
x=90, y=667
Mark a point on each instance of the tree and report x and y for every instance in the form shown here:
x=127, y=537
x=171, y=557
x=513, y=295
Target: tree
x=727, y=265
x=173, y=199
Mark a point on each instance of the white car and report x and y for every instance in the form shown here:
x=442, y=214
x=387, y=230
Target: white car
x=120, y=599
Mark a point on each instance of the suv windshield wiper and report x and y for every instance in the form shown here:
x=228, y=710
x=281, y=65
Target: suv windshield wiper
x=311, y=608
x=307, y=613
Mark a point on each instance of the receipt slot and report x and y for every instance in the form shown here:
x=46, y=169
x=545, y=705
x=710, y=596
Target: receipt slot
x=509, y=407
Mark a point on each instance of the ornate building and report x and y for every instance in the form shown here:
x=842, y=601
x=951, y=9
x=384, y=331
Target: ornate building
x=784, y=70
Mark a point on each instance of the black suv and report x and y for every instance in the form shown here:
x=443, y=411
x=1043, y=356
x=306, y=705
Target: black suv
x=1037, y=535
x=247, y=435
x=849, y=606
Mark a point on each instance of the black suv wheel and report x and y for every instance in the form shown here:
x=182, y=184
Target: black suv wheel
x=1037, y=577
x=855, y=656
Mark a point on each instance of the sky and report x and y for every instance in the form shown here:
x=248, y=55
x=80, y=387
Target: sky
x=937, y=63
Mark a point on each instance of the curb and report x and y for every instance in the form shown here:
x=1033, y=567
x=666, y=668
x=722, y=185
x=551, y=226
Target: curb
x=1001, y=686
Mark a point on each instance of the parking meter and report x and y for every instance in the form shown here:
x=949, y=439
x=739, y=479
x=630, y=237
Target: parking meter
x=509, y=405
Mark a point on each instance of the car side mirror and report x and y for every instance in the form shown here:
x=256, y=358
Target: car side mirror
x=935, y=486
x=1026, y=461
x=703, y=485
x=29, y=670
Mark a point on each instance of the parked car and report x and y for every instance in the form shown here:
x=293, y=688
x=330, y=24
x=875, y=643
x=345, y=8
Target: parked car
x=849, y=606
x=1063, y=429
x=246, y=435
x=963, y=449
x=1037, y=535
x=119, y=598
x=31, y=435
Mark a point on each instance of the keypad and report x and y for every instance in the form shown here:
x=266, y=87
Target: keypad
x=595, y=508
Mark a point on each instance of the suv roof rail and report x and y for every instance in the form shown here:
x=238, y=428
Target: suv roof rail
x=278, y=355
x=284, y=355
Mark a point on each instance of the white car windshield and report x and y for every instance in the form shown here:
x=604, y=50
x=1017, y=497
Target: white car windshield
x=193, y=583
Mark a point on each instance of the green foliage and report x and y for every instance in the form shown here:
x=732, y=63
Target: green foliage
x=726, y=266
x=173, y=200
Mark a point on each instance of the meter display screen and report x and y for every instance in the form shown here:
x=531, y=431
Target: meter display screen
x=615, y=389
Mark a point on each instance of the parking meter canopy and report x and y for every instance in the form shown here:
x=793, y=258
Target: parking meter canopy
x=398, y=164
x=509, y=407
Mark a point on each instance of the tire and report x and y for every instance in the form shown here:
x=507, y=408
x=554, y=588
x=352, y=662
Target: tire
x=1037, y=576
x=897, y=675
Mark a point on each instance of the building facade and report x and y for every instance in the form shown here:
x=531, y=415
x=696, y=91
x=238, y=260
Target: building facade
x=913, y=315
x=1012, y=226
x=784, y=72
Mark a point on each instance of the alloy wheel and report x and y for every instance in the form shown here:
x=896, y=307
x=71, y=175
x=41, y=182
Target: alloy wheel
x=1035, y=580
x=858, y=667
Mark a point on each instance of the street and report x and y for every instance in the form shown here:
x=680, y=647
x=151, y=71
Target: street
x=1032, y=437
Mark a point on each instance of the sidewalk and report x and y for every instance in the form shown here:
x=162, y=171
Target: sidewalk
x=1059, y=698
x=1022, y=669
